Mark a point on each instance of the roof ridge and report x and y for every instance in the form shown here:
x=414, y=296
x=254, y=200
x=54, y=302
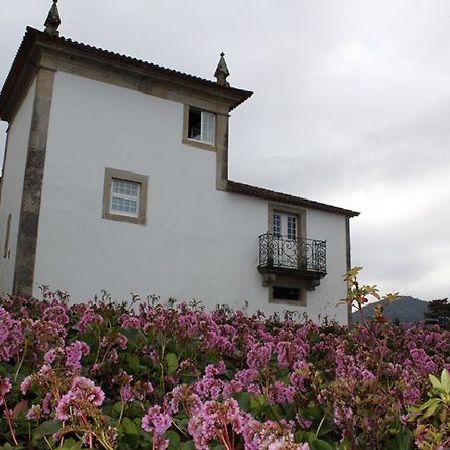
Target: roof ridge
x=84, y=46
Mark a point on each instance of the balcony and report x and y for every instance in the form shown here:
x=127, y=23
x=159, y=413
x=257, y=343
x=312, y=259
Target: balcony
x=302, y=260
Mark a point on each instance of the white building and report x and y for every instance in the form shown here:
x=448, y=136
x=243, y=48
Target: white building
x=115, y=178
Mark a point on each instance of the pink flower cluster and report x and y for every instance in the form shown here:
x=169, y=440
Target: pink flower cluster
x=82, y=393
x=88, y=317
x=5, y=388
x=72, y=355
x=11, y=336
x=220, y=378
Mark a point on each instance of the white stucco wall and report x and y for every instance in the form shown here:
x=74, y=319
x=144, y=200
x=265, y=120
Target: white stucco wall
x=332, y=290
x=198, y=242
x=11, y=199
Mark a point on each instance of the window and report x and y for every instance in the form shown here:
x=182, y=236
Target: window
x=285, y=293
x=292, y=227
x=199, y=128
x=284, y=225
x=277, y=225
x=8, y=230
x=125, y=196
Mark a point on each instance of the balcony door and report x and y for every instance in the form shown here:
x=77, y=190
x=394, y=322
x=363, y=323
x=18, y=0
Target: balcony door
x=285, y=243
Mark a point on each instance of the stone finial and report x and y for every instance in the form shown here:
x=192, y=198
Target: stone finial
x=53, y=21
x=222, y=71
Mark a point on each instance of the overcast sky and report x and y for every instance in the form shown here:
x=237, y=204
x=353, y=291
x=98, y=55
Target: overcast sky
x=351, y=106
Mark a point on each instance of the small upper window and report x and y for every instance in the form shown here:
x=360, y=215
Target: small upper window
x=125, y=196
x=201, y=126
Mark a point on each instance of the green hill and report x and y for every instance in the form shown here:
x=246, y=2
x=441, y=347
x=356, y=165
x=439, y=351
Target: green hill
x=405, y=309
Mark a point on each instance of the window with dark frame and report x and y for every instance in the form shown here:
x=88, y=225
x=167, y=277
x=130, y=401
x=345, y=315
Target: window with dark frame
x=8, y=230
x=195, y=124
x=285, y=293
x=201, y=126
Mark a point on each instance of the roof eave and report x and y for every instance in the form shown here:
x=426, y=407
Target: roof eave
x=20, y=74
x=35, y=39
x=288, y=199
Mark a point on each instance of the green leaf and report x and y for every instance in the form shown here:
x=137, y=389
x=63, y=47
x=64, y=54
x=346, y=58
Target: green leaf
x=129, y=426
x=425, y=405
x=318, y=444
x=138, y=422
x=445, y=381
x=181, y=422
x=300, y=436
x=131, y=441
x=305, y=436
x=435, y=382
x=133, y=363
x=313, y=412
x=174, y=439
x=172, y=363
x=243, y=399
x=327, y=427
x=434, y=403
x=49, y=427
x=403, y=441
x=257, y=402
x=135, y=337
x=70, y=444
x=273, y=412
x=116, y=408
x=189, y=445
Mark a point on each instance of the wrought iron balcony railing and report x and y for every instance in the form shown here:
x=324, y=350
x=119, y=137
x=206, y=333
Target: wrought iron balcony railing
x=304, y=255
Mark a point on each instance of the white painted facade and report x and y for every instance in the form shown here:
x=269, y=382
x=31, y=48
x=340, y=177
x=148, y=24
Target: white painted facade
x=198, y=242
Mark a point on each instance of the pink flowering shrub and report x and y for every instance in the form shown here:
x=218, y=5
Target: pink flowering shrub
x=105, y=375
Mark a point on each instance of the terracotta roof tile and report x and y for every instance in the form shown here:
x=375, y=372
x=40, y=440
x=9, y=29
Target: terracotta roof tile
x=266, y=194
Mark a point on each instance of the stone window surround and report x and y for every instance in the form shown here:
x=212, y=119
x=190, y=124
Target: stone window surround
x=193, y=142
x=286, y=280
x=220, y=146
x=299, y=213
x=118, y=174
